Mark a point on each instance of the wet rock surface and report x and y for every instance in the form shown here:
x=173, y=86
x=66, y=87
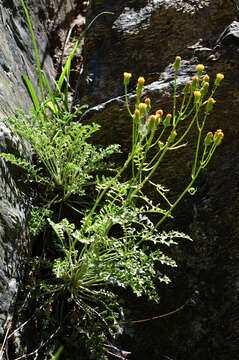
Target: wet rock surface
x=143, y=37
x=16, y=58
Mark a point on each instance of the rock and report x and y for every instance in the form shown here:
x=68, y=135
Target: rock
x=143, y=37
x=155, y=32
x=16, y=58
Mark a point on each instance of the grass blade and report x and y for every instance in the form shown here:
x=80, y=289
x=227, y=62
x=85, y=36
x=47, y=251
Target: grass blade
x=35, y=50
x=31, y=92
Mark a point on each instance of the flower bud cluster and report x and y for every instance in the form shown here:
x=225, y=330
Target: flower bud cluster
x=154, y=120
x=196, y=87
x=216, y=138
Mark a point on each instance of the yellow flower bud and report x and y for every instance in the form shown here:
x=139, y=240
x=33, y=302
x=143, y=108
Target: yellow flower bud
x=140, y=87
x=219, y=78
x=210, y=104
x=204, y=88
x=177, y=63
x=218, y=136
x=136, y=113
x=167, y=119
x=127, y=77
x=195, y=82
x=187, y=87
x=148, y=103
x=159, y=112
x=212, y=101
x=200, y=67
x=197, y=95
x=141, y=80
x=172, y=136
x=208, y=138
x=158, y=115
x=142, y=107
x=206, y=78
x=151, y=118
x=152, y=122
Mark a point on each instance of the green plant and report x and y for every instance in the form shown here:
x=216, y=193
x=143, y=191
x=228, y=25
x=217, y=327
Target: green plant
x=120, y=207
x=116, y=242
x=95, y=256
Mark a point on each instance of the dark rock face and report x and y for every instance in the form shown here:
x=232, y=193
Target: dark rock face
x=16, y=58
x=143, y=37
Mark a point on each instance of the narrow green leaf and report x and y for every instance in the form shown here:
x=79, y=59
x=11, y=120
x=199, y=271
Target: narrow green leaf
x=35, y=49
x=57, y=354
x=31, y=92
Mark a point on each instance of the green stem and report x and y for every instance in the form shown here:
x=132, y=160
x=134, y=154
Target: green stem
x=147, y=147
x=198, y=144
x=178, y=199
x=134, y=125
x=186, y=132
x=126, y=101
x=140, y=186
x=106, y=189
x=174, y=98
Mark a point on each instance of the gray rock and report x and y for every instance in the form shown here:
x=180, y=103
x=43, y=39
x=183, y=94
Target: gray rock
x=16, y=58
x=143, y=37
x=156, y=31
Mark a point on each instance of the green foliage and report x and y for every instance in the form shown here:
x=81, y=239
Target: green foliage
x=38, y=221
x=104, y=259
x=66, y=161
